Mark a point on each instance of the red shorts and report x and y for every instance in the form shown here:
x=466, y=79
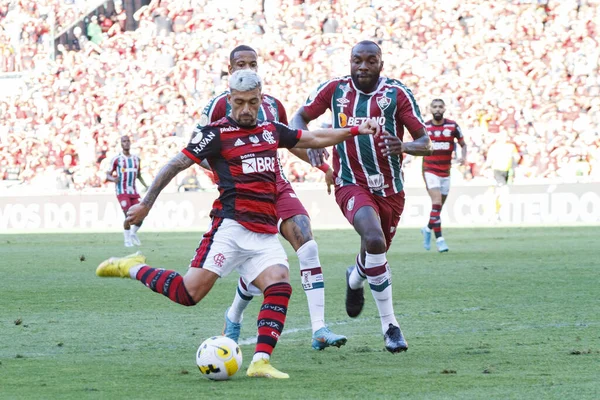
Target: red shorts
x=352, y=198
x=127, y=200
x=287, y=203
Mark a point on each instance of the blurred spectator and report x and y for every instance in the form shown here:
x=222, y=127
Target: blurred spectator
x=94, y=31
x=526, y=69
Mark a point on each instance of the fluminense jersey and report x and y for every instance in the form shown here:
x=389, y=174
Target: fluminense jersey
x=271, y=109
x=244, y=163
x=127, y=168
x=358, y=160
x=443, y=138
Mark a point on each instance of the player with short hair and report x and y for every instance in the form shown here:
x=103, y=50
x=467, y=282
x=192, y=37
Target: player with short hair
x=243, y=232
x=124, y=170
x=368, y=171
x=443, y=133
x=294, y=222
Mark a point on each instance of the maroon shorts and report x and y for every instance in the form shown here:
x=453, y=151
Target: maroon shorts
x=127, y=200
x=352, y=198
x=287, y=203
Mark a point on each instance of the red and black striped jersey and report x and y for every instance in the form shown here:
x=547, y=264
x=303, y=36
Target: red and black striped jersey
x=244, y=163
x=443, y=138
x=270, y=109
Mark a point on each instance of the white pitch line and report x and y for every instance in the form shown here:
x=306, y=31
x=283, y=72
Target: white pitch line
x=505, y=328
x=252, y=340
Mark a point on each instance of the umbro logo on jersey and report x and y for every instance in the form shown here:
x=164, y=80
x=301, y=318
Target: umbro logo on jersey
x=239, y=142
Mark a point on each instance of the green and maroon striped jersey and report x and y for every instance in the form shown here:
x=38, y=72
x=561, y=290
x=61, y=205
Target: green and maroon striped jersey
x=358, y=160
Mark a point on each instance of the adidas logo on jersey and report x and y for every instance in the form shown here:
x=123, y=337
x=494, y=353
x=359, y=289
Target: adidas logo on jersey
x=239, y=142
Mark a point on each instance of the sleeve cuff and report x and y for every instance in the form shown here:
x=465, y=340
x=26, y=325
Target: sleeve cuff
x=189, y=155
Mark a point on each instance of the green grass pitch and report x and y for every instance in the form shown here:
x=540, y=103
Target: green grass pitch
x=506, y=314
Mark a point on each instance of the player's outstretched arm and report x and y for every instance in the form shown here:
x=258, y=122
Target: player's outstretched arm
x=138, y=212
x=330, y=137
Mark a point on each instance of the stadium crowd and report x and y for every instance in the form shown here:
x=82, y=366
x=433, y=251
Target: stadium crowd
x=530, y=70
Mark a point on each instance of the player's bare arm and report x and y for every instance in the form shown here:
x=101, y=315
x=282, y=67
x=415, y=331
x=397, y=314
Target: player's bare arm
x=316, y=157
x=140, y=178
x=204, y=164
x=420, y=146
x=177, y=164
x=329, y=137
x=111, y=178
x=300, y=120
x=463, y=151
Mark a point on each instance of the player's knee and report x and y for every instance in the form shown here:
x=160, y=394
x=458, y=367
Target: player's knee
x=277, y=273
x=375, y=242
x=297, y=230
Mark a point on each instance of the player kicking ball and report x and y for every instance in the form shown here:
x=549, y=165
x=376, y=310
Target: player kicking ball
x=243, y=232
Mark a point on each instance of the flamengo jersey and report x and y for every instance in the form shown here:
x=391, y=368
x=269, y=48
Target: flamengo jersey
x=127, y=168
x=271, y=109
x=442, y=137
x=358, y=160
x=243, y=160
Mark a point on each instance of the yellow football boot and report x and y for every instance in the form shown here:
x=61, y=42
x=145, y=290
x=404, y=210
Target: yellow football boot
x=118, y=267
x=263, y=368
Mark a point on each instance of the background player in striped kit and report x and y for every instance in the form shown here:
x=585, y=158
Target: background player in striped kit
x=124, y=170
x=294, y=222
x=243, y=233
x=443, y=133
x=367, y=171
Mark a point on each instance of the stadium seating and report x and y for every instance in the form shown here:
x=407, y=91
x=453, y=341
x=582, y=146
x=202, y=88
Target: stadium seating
x=521, y=67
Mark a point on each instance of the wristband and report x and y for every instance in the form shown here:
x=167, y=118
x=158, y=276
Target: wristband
x=324, y=167
x=354, y=130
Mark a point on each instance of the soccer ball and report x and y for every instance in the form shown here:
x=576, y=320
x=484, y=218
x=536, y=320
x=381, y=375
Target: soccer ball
x=219, y=358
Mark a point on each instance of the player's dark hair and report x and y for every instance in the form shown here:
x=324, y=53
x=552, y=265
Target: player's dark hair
x=241, y=47
x=368, y=43
x=440, y=100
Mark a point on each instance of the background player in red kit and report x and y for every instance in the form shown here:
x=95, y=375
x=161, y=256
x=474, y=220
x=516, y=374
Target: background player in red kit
x=443, y=133
x=124, y=170
x=241, y=151
x=368, y=171
x=294, y=222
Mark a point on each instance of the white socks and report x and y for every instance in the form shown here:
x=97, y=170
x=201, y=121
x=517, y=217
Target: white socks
x=357, y=277
x=260, y=355
x=312, y=283
x=240, y=303
x=380, y=280
x=134, y=270
x=134, y=229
